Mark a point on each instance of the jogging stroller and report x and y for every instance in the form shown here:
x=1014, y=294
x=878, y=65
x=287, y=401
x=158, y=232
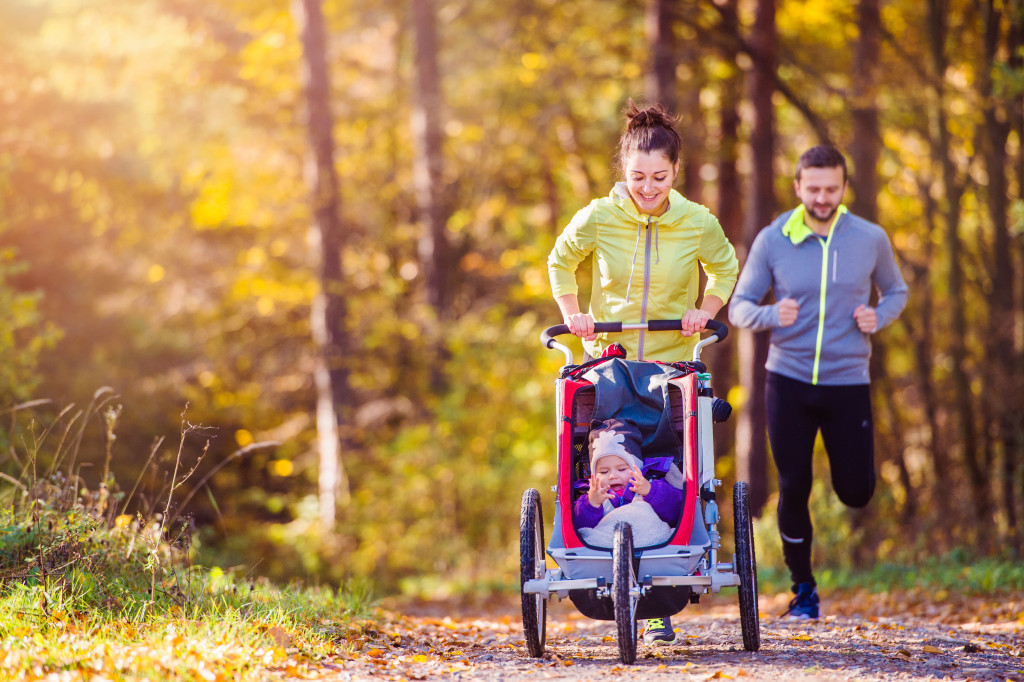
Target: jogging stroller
x=625, y=582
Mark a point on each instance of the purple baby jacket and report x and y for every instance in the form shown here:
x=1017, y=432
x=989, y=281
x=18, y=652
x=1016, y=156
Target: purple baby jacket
x=664, y=498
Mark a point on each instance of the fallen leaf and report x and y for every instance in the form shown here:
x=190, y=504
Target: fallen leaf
x=802, y=638
x=932, y=650
x=375, y=653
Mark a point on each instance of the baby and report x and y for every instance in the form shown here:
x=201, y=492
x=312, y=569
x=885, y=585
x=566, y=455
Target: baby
x=617, y=477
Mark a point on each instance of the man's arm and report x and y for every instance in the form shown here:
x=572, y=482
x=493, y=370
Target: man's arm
x=892, y=290
x=745, y=309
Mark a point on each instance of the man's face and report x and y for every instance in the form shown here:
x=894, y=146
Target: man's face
x=821, y=191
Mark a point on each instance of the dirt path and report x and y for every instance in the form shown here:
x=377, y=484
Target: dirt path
x=893, y=637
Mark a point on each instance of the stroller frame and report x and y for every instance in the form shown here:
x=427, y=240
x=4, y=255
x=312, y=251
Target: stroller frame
x=629, y=583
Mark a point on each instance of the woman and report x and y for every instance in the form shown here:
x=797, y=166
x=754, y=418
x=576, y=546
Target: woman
x=646, y=240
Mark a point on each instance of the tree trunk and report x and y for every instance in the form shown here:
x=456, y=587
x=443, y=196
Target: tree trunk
x=864, y=154
x=953, y=188
x=428, y=167
x=751, y=449
x=661, y=87
x=999, y=398
x=924, y=352
x=866, y=151
x=660, y=83
x=328, y=239
x=729, y=208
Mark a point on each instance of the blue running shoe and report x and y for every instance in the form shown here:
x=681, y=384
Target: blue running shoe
x=805, y=604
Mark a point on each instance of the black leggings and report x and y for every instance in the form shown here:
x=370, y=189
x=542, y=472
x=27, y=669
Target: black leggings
x=796, y=411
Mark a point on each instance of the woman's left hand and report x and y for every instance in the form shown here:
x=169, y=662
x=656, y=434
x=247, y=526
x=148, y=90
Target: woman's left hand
x=694, y=321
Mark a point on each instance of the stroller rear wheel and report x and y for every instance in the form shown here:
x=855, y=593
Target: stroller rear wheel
x=746, y=566
x=624, y=593
x=532, y=565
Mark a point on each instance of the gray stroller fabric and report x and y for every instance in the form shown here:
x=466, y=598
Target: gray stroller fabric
x=638, y=391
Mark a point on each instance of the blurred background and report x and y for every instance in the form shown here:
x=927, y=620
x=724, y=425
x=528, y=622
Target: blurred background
x=299, y=250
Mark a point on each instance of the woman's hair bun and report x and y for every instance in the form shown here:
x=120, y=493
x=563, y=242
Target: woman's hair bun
x=649, y=129
x=649, y=117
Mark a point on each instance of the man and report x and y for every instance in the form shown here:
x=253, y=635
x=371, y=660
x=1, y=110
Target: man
x=821, y=262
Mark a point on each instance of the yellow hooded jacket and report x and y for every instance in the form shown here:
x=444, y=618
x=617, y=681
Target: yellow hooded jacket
x=645, y=268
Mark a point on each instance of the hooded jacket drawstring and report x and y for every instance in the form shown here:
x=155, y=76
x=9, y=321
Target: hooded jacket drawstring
x=636, y=248
x=632, y=265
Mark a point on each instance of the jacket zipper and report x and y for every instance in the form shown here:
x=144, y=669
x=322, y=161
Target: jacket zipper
x=647, y=286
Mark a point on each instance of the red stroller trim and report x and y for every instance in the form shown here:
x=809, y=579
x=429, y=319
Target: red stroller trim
x=687, y=386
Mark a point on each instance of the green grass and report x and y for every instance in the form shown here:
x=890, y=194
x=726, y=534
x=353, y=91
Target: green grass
x=958, y=571
x=87, y=590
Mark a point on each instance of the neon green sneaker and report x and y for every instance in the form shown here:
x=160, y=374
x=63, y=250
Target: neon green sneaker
x=659, y=632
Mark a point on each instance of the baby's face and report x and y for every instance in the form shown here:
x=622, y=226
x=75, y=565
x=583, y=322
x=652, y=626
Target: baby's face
x=613, y=473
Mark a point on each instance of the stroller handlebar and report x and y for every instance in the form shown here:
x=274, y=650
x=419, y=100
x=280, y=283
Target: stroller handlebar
x=720, y=331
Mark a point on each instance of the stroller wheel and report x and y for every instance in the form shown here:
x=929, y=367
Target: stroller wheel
x=532, y=565
x=624, y=593
x=746, y=566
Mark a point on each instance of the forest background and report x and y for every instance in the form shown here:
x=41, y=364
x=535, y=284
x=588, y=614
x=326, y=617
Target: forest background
x=357, y=377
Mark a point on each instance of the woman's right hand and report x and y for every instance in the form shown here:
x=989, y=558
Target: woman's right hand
x=582, y=325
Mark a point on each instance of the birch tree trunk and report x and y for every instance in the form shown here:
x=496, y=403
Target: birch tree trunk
x=327, y=241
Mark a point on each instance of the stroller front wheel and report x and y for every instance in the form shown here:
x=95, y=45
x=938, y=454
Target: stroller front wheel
x=624, y=591
x=746, y=566
x=532, y=565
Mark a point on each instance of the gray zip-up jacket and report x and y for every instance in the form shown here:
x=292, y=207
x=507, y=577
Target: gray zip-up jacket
x=828, y=278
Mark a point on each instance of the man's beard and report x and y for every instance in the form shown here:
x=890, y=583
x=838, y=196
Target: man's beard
x=819, y=218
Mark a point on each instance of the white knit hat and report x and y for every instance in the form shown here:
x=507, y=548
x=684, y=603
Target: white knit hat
x=617, y=437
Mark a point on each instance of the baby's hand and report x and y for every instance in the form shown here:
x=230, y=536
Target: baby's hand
x=597, y=495
x=640, y=485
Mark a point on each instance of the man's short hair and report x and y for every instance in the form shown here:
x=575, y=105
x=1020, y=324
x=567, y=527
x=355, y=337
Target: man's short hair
x=822, y=156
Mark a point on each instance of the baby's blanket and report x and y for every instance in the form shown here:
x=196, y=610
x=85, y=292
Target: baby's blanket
x=648, y=528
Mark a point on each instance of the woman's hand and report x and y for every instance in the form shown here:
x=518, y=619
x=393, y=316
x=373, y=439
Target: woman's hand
x=597, y=495
x=582, y=325
x=694, y=321
x=640, y=485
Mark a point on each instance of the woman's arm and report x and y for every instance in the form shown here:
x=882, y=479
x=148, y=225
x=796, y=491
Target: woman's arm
x=580, y=324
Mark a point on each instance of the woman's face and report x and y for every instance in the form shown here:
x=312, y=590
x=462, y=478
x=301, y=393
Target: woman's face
x=649, y=177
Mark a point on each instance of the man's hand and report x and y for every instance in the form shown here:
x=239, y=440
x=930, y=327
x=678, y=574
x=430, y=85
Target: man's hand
x=788, y=309
x=581, y=324
x=867, y=319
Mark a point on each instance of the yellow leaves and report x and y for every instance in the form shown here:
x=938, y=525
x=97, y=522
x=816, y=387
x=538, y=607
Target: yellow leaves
x=282, y=467
x=802, y=638
x=929, y=649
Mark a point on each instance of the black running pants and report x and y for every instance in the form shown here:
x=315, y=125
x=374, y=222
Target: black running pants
x=796, y=411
